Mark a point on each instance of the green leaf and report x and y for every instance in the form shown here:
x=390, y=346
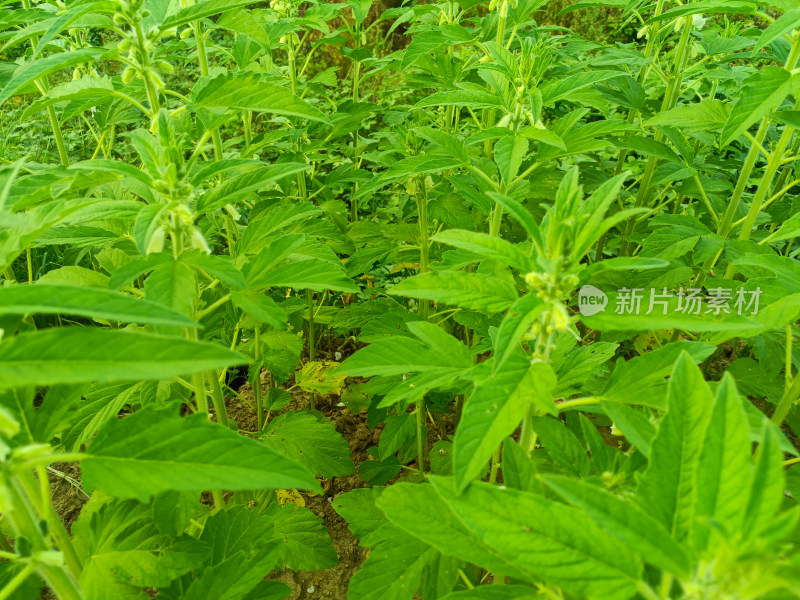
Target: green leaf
x=488, y=246
x=707, y=7
x=763, y=91
x=394, y=568
x=509, y=152
x=400, y=429
x=521, y=214
x=782, y=26
x=725, y=469
x=234, y=189
x=521, y=316
x=563, y=446
x=640, y=380
x=95, y=303
x=201, y=10
x=261, y=307
x=706, y=115
x=77, y=354
x=42, y=67
x=86, y=88
x=471, y=291
x=247, y=90
x=473, y=98
x=668, y=489
x=560, y=89
x=146, y=225
x=121, y=549
x=306, y=543
x=543, y=135
x=496, y=529
x=313, y=443
x=154, y=451
x=766, y=493
x=172, y=284
x=636, y=427
x=317, y=275
x=494, y=410
x=496, y=592
x=625, y=521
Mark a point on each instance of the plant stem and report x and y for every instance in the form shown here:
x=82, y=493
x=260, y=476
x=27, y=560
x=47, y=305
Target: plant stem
x=424, y=312
x=25, y=524
x=152, y=93
x=202, y=56
x=790, y=396
x=218, y=398
x=259, y=394
x=59, y=136
x=312, y=346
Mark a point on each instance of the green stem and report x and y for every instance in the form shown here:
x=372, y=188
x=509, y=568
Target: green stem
x=312, y=346
x=259, y=394
x=790, y=396
x=202, y=55
x=24, y=523
x=501, y=22
x=59, y=136
x=200, y=393
x=424, y=312
x=218, y=398
x=152, y=93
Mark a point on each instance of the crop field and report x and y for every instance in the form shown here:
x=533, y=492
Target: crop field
x=399, y=300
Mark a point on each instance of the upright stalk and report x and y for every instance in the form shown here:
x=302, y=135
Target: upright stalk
x=25, y=524
x=257, y=384
x=312, y=346
x=51, y=111
x=424, y=310
x=218, y=398
x=202, y=56
x=152, y=93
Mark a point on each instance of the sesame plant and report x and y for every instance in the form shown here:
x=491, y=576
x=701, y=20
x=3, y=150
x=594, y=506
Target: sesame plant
x=556, y=276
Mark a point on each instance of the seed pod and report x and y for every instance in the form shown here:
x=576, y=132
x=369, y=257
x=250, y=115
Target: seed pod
x=156, y=244
x=165, y=66
x=198, y=241
x=127, y=75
